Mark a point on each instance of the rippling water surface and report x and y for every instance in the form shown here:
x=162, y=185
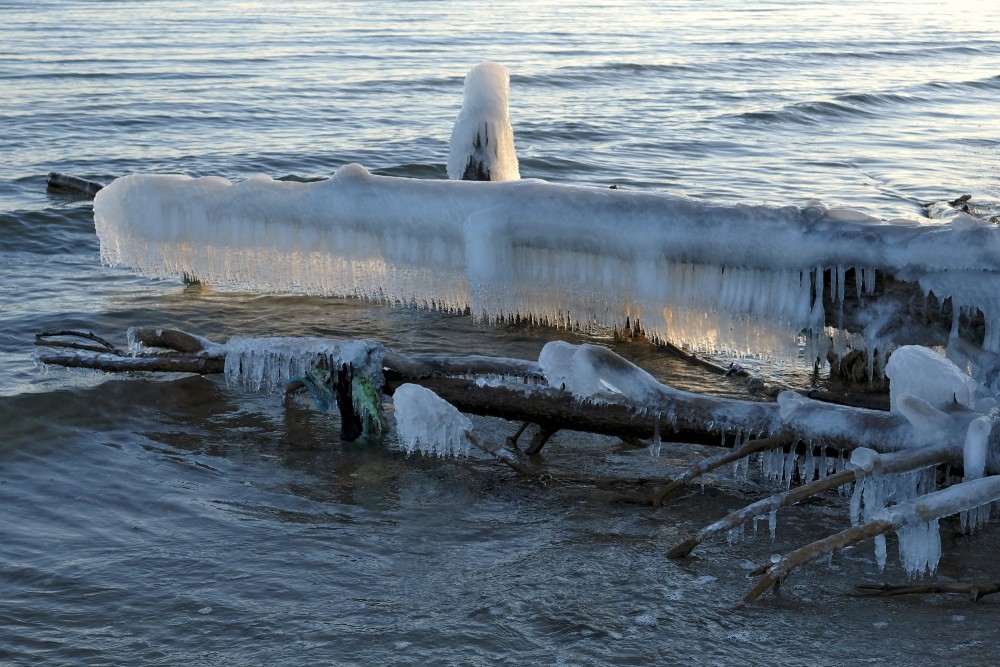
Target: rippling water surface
x=178, y=521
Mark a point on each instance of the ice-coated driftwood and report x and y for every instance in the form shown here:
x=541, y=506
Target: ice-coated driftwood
x=888, y=464
x=589, y=388
x=68, y=183
x=914, y=513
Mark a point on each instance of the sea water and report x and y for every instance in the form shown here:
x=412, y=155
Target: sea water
x=178, y=520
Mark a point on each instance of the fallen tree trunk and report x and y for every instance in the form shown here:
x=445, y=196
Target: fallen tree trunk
x=676, y=414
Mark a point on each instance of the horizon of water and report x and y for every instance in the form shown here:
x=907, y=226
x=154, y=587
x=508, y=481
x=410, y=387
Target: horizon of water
x=175, y=520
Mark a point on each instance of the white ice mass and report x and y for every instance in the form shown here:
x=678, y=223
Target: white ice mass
x=925, y=374
x=482, y=140
x=426, y=422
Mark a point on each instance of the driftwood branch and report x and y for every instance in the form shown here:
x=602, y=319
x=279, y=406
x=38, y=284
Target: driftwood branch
x=75, y=184
x=172, y=339
x=56, y=339
x=928, y=507
x=888, y=464
x=502, y=455
x=975, y=591
x=116, y=363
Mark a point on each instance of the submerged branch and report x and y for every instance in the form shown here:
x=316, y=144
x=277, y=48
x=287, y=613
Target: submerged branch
x=115, y=363
x=975, y=591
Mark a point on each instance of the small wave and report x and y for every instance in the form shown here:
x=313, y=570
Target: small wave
x=879, y=100
x=606, y=73
x=414, y=170
x=986, y=83
x=807, y=113
x=865, y=104
x=395, y=85
x=909, y=52
x=48, y=231
x=846, y=106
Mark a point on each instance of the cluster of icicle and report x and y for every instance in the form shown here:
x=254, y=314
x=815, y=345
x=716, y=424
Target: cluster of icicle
x=268, y=364
x=711, y=277
x=922, y=385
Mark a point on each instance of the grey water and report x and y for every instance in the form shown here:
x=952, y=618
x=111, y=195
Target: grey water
x=177, y=521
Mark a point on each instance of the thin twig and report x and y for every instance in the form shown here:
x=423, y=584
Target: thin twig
x=103, y=345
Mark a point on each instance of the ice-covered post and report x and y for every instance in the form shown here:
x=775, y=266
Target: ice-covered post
x=482, y=141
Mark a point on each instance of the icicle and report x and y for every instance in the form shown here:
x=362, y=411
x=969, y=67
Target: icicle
x=956, y=314
x=789, y=466
x=974, y=465
x=855, y=506
x=654, y=447
x=772, y=522
x=870, y=280
x=919, y=547
x=880, y=552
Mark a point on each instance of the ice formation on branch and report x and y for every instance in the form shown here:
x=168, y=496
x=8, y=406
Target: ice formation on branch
x=737, y=278
x=921, y=372
x=482, y=141
x=268, y=364
x=590, y=371
x=426, y=422
x=916, y=521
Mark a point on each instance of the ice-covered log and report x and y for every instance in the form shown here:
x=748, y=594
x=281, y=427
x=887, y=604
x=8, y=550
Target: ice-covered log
x=711, y=276
x=594, y=390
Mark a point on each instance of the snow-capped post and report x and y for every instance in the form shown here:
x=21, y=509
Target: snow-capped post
x=482, y=141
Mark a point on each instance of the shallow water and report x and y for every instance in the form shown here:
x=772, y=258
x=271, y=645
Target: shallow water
x=175, y=520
